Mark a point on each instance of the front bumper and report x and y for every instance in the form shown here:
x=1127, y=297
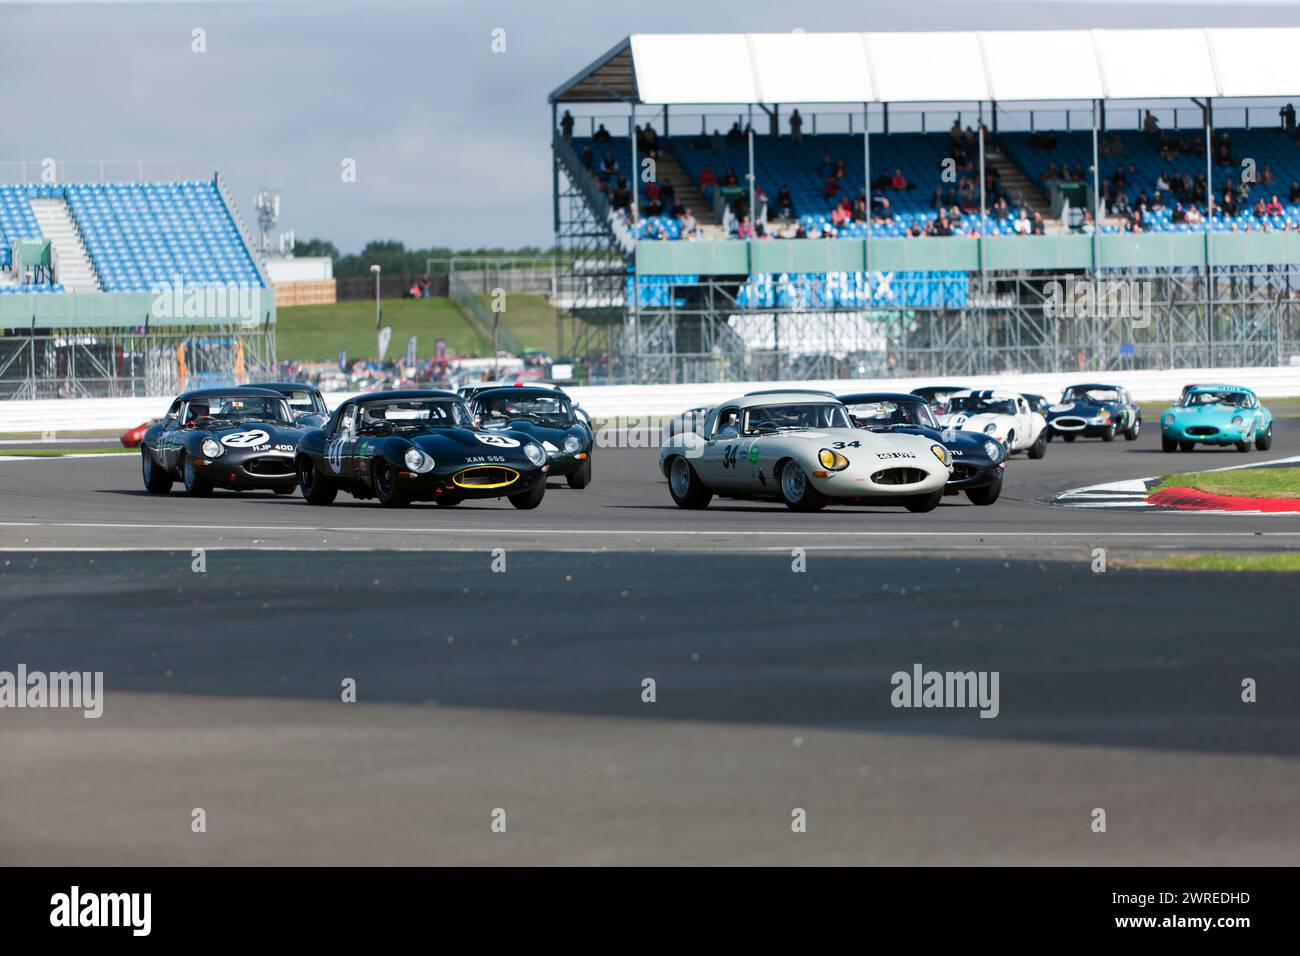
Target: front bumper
x=563, y=465
x=473, y=481
x=973, y=474
x=886, y=479
x=1074, y=425
x=1206, y=434
x=251, y=473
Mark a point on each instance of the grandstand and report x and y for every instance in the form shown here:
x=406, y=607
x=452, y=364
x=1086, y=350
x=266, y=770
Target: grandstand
x=128, y=288
x=945, y=234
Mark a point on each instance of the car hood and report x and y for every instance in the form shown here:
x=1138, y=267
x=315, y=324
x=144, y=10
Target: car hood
x=1208, y=413
x=1083, y=409
x=968, y=444
x=468, y=441
x=555, y=434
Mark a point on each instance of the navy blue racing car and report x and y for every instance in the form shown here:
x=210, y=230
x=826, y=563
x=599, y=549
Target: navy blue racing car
x=241, y=438
x=978, y=460
x=546, y=414
x=1094, y=411
x=406, y=446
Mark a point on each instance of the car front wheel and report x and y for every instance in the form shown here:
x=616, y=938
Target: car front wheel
x=156, y=480
x=798, y=492
x=1168, y=444
x=316, y=489
x=582, y=477
x=1039, y=448
x=387, y=490
x=528, y=500
x=1264, y=440
x=920, y=504
x=986, y=495
x=1132, y=433
x=196, y=486
x=685, y=486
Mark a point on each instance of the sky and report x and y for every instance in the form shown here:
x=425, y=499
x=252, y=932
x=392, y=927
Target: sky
x=447, y=137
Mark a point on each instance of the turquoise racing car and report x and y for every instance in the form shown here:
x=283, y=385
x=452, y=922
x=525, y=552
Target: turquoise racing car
x=1216, y=415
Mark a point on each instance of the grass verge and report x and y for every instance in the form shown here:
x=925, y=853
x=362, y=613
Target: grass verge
x=1285, y=562
x=1241, y=483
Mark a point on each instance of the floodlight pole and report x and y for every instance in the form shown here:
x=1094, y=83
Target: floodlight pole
x=1096, y=197
x=1209, y=228
x=753, y=209
x=866, y=175
x=984, y=218
x=636, y=205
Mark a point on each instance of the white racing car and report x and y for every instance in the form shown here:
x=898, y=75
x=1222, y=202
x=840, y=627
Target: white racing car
x=800, y=448
x=1005, y=416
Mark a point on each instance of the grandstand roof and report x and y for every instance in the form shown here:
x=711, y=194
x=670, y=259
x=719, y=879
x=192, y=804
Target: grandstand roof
x=738, y=68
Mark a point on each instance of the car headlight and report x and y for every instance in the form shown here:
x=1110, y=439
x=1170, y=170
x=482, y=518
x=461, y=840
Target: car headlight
x=418, y=461
x=991, y=449
x=942, y=454
x=1103, y=416
x=1168, y=419
x=1236, y=419
x=535, y=453
x=990, y=428
x=831, y=460
x=212, y=448
x=571, y=444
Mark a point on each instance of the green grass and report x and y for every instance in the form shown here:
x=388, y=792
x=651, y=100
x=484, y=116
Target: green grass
x=532, y=320
x=1243, y=482
x=315, y=333
x=1286, y=562
x=60, y=453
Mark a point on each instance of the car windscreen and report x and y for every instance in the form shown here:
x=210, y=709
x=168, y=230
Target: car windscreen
x=1216, y=398
x=883, y=415
x=412, y=415
x=974, y=405
x=237, y=408
x=1096, y=396
x=770, y=418
x=539, y=407
x=305, y=401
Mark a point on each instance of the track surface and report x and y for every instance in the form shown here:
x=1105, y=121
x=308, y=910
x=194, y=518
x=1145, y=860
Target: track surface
x=522, y=690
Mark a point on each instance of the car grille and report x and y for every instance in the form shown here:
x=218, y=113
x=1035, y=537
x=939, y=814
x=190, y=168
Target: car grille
x=485, y=476
x=960, y=471
x=270, y=467
x=1202, y=430
x=899, y=476
x=1068, y=423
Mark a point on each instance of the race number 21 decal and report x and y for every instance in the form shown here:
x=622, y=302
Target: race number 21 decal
x=498, y=441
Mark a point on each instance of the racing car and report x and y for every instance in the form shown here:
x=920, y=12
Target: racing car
x=405, y=446
x=1094, y=411
x=547, y=415
x=978, y=461
x=240, y=438
x=1216, y=415
x=305, y=401
x=1006, y=416
x=800, y=448
x=937, y=395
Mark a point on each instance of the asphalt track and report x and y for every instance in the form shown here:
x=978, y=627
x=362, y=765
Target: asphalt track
x=522, y=690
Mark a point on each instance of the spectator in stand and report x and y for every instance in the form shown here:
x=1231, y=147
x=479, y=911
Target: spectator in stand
x=1022, y=224
x=654, y=205
x=1162, y=182
x=1149, y=126
x=842, y=214
x=899, y=181
x=1274, y=207
x=840, y=171
x=735, y=134
x=601, y=135
x=688, y=221
x=796, y=126
x=1287, y=113
x=785, y=210
x=828, y=166
x=716, y=141
x=879, y=204
x=730, y=179
x=622, y=196
x=1294, y=195
x=566, y=126
x=743, y=229
x=708, y=180
x=1038, y=228
x=1087, y=226
x=832, y=187
x=1194, y=217
x=651, y=141
x=1158, y=202
x=860, y=207
x=1179, y=215
x=1230, y=206
x=588, y=157
x=609, y=164
x=1260, y=210
x=954, y=131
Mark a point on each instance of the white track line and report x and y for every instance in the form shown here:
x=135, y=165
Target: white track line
x=629, y=532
